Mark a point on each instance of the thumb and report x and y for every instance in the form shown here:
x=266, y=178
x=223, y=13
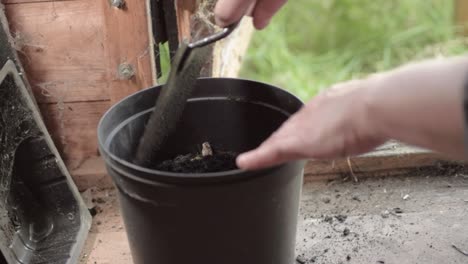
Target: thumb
x=230, y=11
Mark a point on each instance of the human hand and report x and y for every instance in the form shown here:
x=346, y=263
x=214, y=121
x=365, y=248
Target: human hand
x=420, y=104
x=334, y=124
x=228, y=12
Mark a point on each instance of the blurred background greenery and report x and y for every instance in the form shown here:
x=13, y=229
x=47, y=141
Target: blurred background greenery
x=311, y=44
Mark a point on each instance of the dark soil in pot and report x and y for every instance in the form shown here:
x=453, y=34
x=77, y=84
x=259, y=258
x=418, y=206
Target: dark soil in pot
x=207, y=160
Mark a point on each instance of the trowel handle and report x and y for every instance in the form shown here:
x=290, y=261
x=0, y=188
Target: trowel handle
x=184, y=51
x=213, y=38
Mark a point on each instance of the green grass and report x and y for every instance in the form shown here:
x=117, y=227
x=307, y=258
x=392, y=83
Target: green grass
x=311, y=44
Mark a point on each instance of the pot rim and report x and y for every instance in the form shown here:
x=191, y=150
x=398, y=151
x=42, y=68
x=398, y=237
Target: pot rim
x=111, y=158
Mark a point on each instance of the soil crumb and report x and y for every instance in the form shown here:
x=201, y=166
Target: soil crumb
x=196, y=163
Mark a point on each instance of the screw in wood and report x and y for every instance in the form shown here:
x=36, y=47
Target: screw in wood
x=126, y=71
x=117, y=3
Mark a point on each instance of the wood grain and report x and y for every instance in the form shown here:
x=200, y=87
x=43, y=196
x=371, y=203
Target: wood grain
x=184, y=11
x=71, y=51
x=228, y=54
x=61, y=47
x=390, y=159
x=127, y=41
x=29, y=1
x=91, y=173
x=73, y=127
x=461, y=15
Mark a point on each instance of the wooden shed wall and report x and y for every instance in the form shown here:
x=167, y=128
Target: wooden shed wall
x=71, y=52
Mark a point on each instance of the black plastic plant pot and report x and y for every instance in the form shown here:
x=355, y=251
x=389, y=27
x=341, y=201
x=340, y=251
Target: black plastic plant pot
x=231, y=217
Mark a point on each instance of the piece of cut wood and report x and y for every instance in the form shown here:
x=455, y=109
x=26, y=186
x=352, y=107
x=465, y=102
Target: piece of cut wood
x=228, y=53
x=388, y=160
x=461, y=15
x=184, y=11
x=61, y=48
x=127, y=42
x=29, y=1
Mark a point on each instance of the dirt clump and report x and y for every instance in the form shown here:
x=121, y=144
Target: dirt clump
x=208, y=160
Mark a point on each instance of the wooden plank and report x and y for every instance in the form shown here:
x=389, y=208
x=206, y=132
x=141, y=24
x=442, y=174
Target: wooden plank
x=91, y=173
x=72, y=51
x=64, y=60
x=73, y=127
x=88, y=49
x=228, y=54
x=127, y=42
x=461, y=15
x=29, y=1
x=184, y=11
x=388, y=160
x=392, y=159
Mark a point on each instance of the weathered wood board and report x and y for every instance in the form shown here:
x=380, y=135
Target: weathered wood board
x=71, y=52
x=461, y=15
x=392, y=158
x=64, y=60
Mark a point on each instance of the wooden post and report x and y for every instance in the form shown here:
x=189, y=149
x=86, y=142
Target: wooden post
x=185, y=9
x=227, y=55
x=461, y=15
x=128, y=45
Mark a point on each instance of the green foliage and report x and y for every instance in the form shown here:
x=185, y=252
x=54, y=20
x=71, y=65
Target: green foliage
x=312, y=44
x=165, y=62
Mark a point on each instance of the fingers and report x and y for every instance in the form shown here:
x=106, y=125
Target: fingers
x=282, y=146
x=264, y=11
x=272, y=152
x=229, y=11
